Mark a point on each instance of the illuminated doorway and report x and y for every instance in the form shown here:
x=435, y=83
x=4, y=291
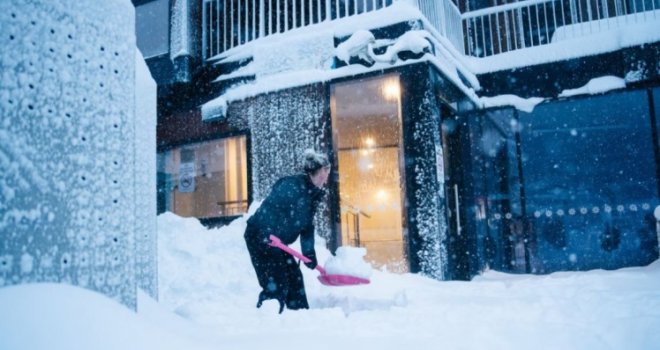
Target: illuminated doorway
x=366, y=123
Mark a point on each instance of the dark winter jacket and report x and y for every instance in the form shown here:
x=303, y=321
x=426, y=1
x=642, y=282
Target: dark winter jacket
x=288, y=213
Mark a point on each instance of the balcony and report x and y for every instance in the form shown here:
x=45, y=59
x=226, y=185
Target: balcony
x=531, y=23
x=487, y=32
x=232, y=23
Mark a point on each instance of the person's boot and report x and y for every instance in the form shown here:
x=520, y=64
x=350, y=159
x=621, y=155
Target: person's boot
x=262, y=297
x=281, y=304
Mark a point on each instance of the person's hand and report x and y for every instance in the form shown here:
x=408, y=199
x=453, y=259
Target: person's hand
x=312, y=264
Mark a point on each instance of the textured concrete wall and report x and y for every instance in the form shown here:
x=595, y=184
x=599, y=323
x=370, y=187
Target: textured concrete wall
x=68, y=145
x=283, y=124
x=146, y=240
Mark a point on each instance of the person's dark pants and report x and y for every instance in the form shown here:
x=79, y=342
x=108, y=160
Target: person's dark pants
x=278, y=273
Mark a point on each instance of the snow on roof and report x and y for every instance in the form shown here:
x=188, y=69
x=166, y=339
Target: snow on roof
x=304, y=55
x=523, y=104
x=596, y=86
x=398, y=12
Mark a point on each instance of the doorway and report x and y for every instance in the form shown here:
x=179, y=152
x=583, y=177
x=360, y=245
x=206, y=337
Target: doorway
x=366, y=124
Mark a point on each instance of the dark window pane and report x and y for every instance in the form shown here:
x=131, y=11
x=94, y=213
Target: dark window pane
x=152, y=24
x=590, y=181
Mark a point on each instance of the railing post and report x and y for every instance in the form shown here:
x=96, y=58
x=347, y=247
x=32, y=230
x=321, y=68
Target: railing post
x=277, y=13
x=254, y=20
x=262, y=19
x=224, y=25
x=204, y=19
x=239, y=18
x=231, y=23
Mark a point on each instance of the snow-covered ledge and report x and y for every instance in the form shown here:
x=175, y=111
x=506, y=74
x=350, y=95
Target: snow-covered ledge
x=565, y=47
x=307, y=59
x=305, y=56
x=523, y=104
x=595, y=86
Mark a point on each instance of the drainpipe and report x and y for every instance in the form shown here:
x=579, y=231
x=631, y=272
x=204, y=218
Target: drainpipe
x=184, y=38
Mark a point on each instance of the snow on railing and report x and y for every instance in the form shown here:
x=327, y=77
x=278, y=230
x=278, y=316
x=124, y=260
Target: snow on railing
x=231, y=23
x=490, y=31
x=529, y=23
x=445, y=17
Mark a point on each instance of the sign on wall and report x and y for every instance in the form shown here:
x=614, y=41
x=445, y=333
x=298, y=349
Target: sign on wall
x=187, y=177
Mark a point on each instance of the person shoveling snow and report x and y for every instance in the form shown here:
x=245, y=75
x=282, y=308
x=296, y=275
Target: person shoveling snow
x=287, y=212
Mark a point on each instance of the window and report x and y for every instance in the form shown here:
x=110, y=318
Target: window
x=366, y=125
x=204, y=180
x=152, y=26
x=589, y=175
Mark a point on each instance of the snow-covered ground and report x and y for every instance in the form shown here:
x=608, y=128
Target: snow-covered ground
x=208, y=292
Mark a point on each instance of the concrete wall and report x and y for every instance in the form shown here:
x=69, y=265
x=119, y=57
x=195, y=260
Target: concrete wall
x=69, y=148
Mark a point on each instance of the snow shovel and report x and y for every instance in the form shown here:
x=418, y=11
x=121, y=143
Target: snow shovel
x=325, y=278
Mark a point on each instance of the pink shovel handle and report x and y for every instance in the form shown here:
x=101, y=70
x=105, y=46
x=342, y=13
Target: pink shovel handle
x=276, y=242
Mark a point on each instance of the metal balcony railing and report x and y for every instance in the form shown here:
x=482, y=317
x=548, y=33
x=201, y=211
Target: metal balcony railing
x=530, y=23
x=445, y=18
x=230, y=23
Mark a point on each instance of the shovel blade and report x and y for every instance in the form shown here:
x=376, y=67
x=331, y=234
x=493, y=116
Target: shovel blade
x=342, y=280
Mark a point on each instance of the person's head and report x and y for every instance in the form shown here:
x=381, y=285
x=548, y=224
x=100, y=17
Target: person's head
x=317, y=166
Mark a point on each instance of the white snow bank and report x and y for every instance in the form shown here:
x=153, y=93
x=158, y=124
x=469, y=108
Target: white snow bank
x=356, y=45
x=362, y=42
x=60, y=316
x=596, y=86
x=349, y=261
x=414, y=41
x=206, y=277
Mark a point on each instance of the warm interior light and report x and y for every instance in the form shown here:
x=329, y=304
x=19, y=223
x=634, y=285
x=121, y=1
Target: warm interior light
x=391, y=89
x=368, y=144
x=381, y=195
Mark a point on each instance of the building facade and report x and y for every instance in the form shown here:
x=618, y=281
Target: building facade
x=460, y=141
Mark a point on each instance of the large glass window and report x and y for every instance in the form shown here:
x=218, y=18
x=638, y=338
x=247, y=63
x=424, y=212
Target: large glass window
x=152, y=27
x=367, y=136
x=589, y=177
x=205, y=180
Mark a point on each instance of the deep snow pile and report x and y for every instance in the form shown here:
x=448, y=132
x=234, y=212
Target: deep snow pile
x=348, y=261
x=206, y=278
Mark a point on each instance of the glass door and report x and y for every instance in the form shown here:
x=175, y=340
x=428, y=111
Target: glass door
x=366, y=122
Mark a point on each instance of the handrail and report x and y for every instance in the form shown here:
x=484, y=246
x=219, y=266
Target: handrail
x=501, y=8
